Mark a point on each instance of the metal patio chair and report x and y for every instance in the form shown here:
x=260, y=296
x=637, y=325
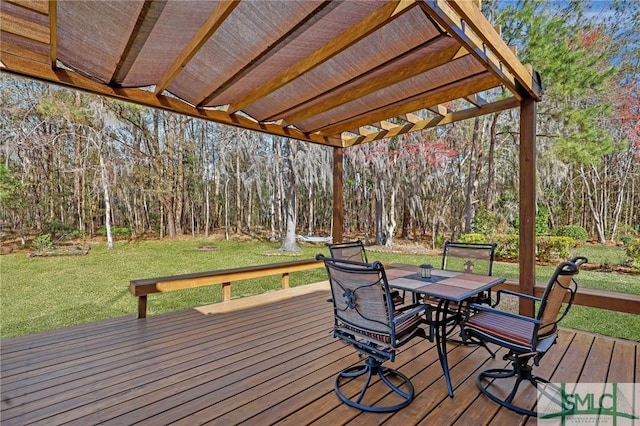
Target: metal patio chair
x=354, y=251
x=527, y=339
x=365, y=317
x=471, y=258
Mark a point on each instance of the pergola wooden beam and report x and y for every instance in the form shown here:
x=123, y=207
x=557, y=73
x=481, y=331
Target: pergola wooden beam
x=384, y=125
x=343, y=41
x=527, y=237
x=148, y=16
x=417, y=67
x=221, y=12
x=37, y=6
x=474, y=18
x=458, y=89
x=441, y=110
x=29, y=30
x=410, y=118
x=53, y=33
x=323, y=8
x=297, y=112
x=338, y=195
x=476, y=99
x=509, y=71
x=451, y=117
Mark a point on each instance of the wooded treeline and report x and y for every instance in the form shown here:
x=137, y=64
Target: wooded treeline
x=74, y=163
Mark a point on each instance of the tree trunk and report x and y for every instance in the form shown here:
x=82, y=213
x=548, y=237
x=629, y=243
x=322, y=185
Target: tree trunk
x=180, y=179
x=249, y=208
x=226, y=209
x=381, y=238
x=491, y=178
x=279, y=189
x=216, y=197
x=77, y=173
x=406, y=220
x=289, y=242
x=622, y=184
x=311, y=213
x=107, y=202
x=391, y=223
x=472, y=182
x=593, y=208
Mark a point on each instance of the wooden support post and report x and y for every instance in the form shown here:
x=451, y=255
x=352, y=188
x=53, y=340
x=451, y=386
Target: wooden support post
x=226, y=292
x=338, y=198
x=142, y=306
x=285, y=280
x=527, y=202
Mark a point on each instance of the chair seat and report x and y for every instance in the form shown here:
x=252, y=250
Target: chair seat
x=403, y=329
x=509, y=329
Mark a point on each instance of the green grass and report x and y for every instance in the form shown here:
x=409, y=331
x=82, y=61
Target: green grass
x=606, y=255
x=43, y=293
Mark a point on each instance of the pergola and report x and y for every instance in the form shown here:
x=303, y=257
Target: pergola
x=337, y=73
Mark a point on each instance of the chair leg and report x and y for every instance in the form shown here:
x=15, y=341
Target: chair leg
x=520, y=371
x=371, y=368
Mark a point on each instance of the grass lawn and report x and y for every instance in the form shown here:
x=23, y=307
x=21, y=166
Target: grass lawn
x=43, y=293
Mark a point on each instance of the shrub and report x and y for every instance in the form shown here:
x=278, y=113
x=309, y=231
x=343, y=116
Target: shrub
x=42, y=243
x=576, y=232
x=116, y=231
x=632, y=248
x=626, y=231
x=439, y=241
x=76, y=233
x=542, y=221
x=552, y=248
x=473, y=238
x=485, y=222
x=508, y=245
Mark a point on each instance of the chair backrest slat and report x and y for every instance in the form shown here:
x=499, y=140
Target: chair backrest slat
x=476, y=258
x=360, y=298
x=561, y=288
x=353, y=251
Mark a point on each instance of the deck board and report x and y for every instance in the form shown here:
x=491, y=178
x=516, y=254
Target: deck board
x=269, y=362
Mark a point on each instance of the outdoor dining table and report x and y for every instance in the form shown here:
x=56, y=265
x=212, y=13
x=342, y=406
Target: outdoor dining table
x=447, y=287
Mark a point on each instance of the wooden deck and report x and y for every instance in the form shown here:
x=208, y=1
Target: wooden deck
x=263, y=360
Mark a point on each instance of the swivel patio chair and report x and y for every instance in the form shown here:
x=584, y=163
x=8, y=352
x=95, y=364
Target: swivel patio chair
x=365, y=317
x=470, y=258
x=350, y=250
x=355, y=251
x=527, y=339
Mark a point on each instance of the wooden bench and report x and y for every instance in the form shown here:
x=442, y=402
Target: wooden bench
x=143, y=287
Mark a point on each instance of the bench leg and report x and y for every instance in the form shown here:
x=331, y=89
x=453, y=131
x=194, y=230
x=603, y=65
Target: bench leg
x=285, y=280
x=142, y=306
x=226, y=292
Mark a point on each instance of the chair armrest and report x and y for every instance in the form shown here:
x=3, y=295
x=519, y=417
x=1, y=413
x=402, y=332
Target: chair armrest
x=485, y=308
x=410, y=311
x=520, y=295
